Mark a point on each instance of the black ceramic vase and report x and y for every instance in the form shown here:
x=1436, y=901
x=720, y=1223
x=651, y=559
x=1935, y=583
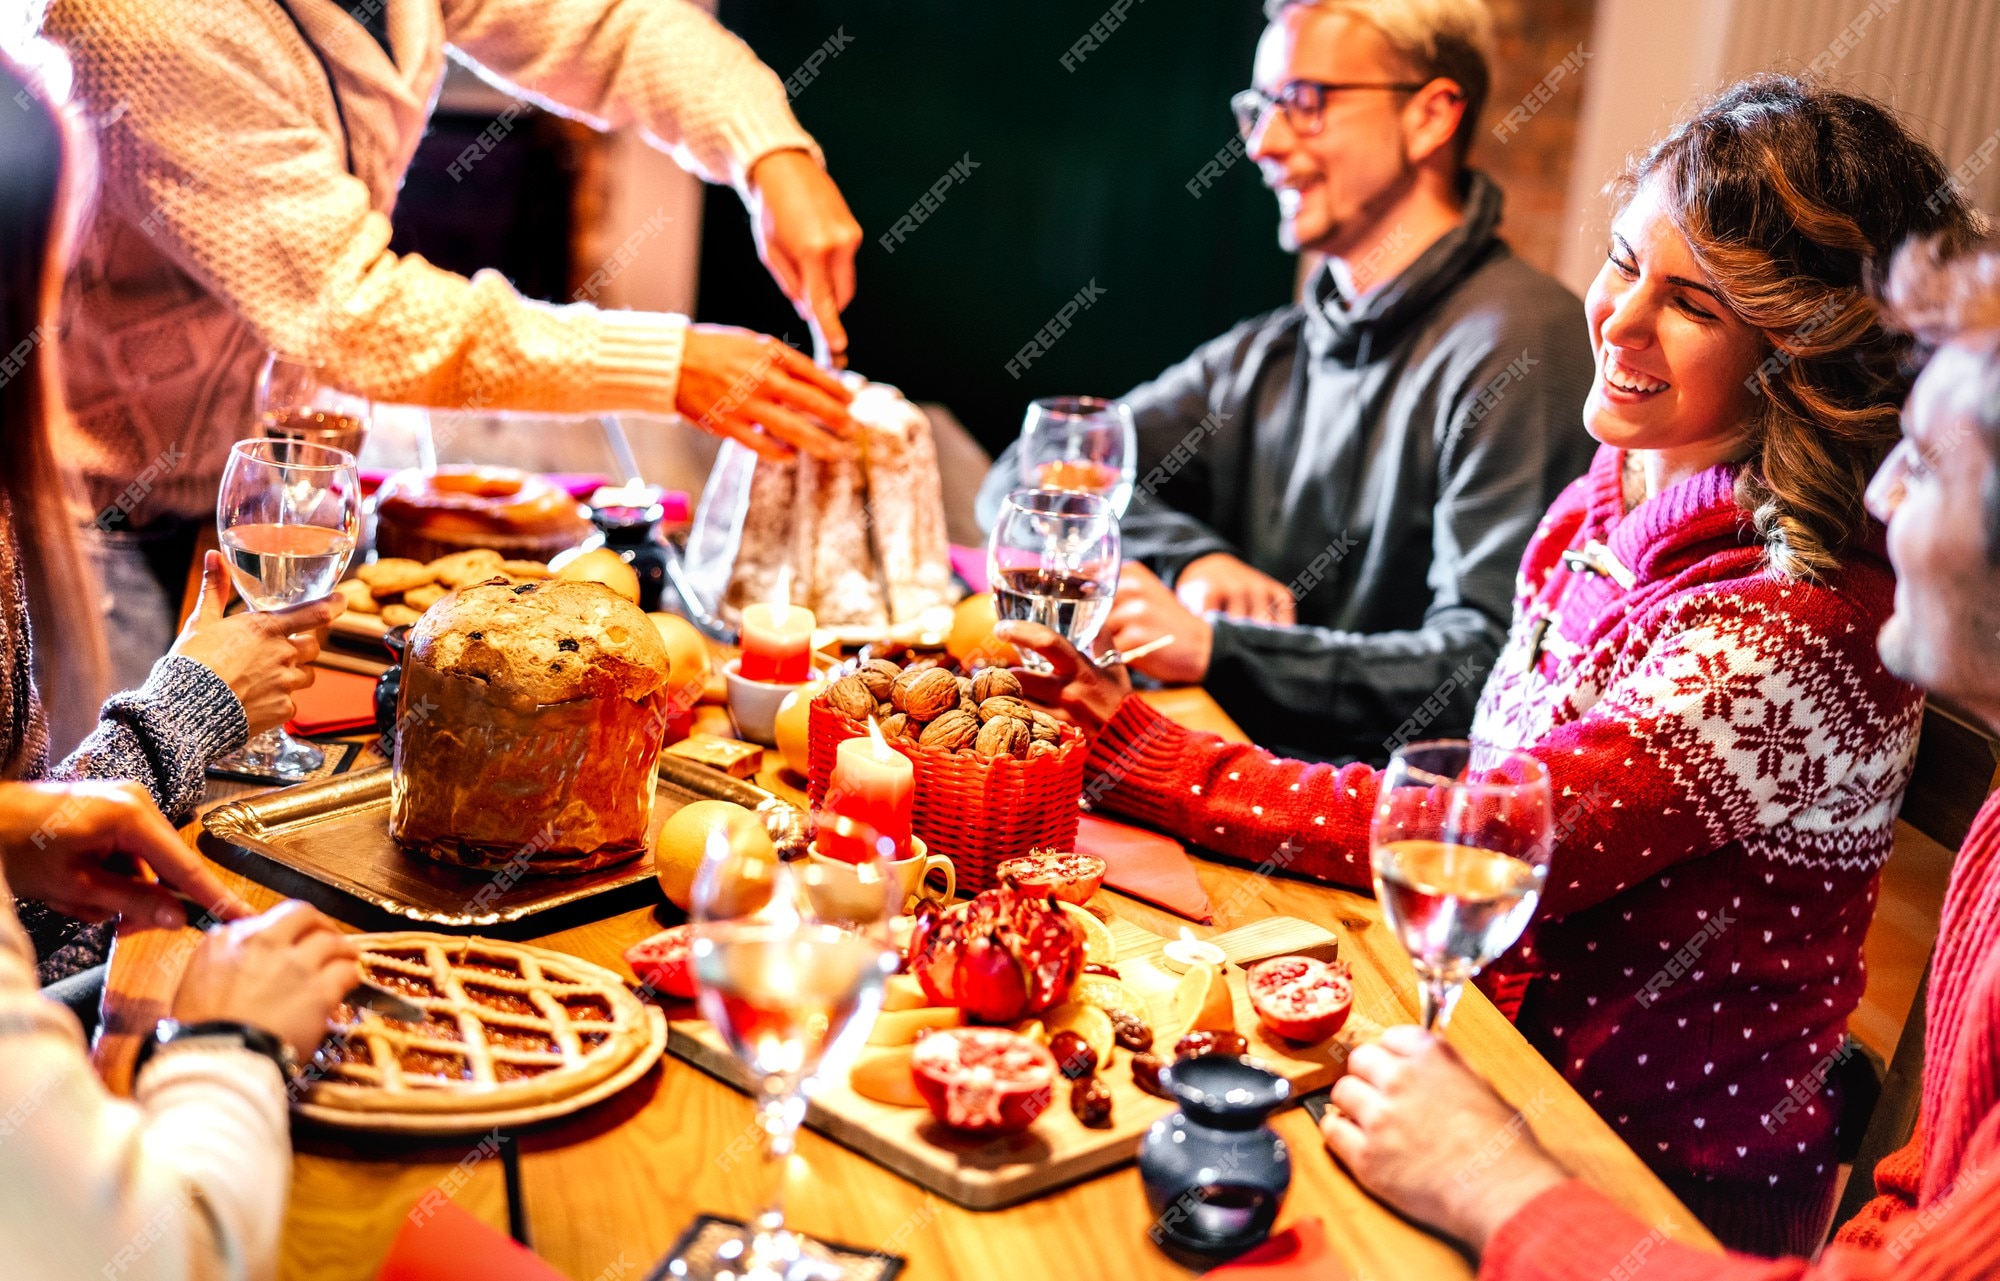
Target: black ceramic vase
x=1215, y=1173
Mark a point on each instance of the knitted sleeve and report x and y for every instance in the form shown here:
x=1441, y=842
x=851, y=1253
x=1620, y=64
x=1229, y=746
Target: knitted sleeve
x=661, y=64
x=163, y=734
x=216, y=148
x=1743, y=711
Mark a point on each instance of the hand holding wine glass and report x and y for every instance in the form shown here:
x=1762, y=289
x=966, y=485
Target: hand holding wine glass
x=1460, y=846
x=1053, y=559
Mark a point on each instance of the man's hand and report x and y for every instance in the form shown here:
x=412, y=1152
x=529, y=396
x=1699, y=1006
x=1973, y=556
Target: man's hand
x=1413, y=1124
x=1221, y=582
x=80, y=848
x=755, y=389
x=807, y=239
x=283, y=971
x=1075, y=689
x=1147, y=609
x=264, y=658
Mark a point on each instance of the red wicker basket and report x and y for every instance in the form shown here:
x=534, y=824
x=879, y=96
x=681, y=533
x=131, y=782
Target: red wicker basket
x=977, y=811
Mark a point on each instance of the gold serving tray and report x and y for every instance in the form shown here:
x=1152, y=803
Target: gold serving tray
x=336, y=833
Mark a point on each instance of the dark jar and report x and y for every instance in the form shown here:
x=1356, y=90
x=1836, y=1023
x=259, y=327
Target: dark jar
x=1215, y=1173
x=629, y=517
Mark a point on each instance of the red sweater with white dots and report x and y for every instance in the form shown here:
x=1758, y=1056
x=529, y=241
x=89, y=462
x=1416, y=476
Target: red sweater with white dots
x=1727, y=754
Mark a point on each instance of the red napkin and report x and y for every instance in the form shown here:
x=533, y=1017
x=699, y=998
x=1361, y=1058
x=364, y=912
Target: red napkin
x=970, y=562
x=334, y=703
x=1145, y=865
x=450, y=1244
x=1298, y=1253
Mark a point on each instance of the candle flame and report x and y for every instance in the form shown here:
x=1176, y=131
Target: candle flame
x=883, y=752
x=1187, y=935
x=781, y=591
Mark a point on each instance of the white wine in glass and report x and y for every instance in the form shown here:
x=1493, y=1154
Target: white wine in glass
x=1460, y=848
x=1080, y=444
x=1053, y=559
x=295, y=402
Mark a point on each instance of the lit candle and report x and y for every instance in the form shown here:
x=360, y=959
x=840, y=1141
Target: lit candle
x=874, y=787
x=777, y=644
x=1184, y=953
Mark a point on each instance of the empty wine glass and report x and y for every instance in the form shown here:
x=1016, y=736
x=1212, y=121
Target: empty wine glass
x=1460, y=848
x=1081, y=444
x=789, y=959
x=1053, y=559
x=288, y=516
x=295, y=403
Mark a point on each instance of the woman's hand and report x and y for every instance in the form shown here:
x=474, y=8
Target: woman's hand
x=264, y=658
x=283, y=971
x=1077, y=690
x=80, y=848
x=755, y=389
x=807, y=239
x=1418, y=1129
x=1219, y=581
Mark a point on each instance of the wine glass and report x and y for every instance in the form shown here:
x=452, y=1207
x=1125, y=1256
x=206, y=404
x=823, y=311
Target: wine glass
x=1460, y=848
x=789, y=958
x=1080, y=444
x=295, y=403
x=1053, y=559
x=288, y=516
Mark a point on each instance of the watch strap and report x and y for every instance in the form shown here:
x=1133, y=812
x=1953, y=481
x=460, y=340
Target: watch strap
x=255, y=1039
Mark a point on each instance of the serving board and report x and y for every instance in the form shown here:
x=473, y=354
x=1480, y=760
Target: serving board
x=1057, y=1149
x=336, y=833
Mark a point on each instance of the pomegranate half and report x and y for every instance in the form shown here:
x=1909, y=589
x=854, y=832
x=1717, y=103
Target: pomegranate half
x=1301, y=998
x=983, y=1080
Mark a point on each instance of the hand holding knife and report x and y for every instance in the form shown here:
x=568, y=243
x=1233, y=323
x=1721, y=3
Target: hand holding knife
x=362, y=996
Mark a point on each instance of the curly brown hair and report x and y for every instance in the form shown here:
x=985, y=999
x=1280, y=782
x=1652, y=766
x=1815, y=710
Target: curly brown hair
x=1793, y=196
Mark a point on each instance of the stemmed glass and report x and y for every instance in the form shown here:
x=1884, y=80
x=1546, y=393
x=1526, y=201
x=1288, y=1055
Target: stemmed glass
x=288, y=517
x=789, y=959
x=1053, y=559
x=1081, y=444
x=1460, y=847
x=295, y=403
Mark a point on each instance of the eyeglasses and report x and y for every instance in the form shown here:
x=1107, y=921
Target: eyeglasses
x=1304, y=102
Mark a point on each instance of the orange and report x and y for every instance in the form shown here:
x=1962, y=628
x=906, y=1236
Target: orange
x=687, y=656
x=971, y=640
x=685, y=839
x=600, y=565
x=1202, y=1003
x=792, y=723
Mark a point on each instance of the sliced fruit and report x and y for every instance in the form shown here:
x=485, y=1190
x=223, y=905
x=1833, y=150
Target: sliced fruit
x=903, y=992
x=1001, y=957
x=1088, y=1022
x=1202, y=1003
x=1069, y=876
x=983, y=1080
x=882, y=1073
x=1034, y=1029
x=661, y=962
x=1107, y=994
x=901, y=1027
x=1098, y=945
x=1301, y=998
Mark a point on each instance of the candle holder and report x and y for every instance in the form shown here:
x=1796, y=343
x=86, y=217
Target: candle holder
x=753, y=705
x=910, y=874
x=1183, y=954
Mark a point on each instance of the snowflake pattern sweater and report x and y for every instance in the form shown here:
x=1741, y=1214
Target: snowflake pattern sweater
x=1727, y=754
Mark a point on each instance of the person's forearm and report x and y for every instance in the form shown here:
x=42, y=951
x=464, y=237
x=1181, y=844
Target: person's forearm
x=163, y=734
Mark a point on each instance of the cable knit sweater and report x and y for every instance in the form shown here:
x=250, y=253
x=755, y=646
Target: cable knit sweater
x=1727, y=755
x=161, y=736
x=228, y=222
x=1937, y=1212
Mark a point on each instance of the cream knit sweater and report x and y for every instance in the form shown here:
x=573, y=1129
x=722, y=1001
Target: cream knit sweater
x=228, y=223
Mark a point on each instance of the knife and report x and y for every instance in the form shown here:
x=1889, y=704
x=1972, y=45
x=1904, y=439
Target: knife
x=362, y=996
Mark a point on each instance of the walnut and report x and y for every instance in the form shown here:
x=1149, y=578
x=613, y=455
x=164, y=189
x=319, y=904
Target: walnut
x=965, y=689
x=895, y=726
x=1047, y=729
x=951, y=731
x=1038, y=749
x=1011, y=708
x=899, y=689
x=1002, y=736
x=878, y=674
x=931, y=695
x=967, y=705
x=995, y=682
x=886, y=708
x=850, y=698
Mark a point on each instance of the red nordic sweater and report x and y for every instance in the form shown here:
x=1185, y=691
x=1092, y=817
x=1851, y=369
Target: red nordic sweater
x=1727, y=754
x=1938, y=1212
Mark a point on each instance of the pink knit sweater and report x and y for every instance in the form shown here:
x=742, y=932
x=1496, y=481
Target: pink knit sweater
x=1727, y=754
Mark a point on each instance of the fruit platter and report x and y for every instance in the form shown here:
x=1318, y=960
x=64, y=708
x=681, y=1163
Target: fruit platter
x=1020, y=1044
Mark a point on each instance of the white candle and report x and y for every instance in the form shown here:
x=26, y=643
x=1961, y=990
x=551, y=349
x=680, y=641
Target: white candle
x=1184, y=953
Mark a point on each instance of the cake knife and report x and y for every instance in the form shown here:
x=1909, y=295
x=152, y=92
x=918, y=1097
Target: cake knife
x=362, y=996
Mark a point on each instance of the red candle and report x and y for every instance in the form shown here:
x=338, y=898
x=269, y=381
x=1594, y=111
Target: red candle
x=777, y=644
x=874, y=787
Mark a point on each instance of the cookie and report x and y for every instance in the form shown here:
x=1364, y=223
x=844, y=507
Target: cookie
x=421, y=598
x=399, y=615
x=359, y=598
x=460, y=568
x=525, y=569
x=394, y=576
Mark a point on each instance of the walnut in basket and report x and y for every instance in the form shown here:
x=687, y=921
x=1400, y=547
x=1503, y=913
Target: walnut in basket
x=952, y=731
x=1003, y=736
x=850, y=697
x=930, y=695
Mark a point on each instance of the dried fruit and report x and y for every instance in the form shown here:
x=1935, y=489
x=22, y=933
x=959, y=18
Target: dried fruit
x=895, y=726
x=850, y=698
x=1146, y=1074
x=1196, y=1044
x=1012, y=708
x=983, y=1080
x=1301, y=998
x=931, y=695
x=1134, y=1033
x=951, y=731
x=1073, y=878
x=994, y=682
x=878, y=675
x=1001, y=957
x=1096, y=967
x=1090, y=1100
x=1074, y=1057
x=1002, y=736
x=1046, y=728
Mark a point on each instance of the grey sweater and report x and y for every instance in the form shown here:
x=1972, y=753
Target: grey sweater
x=161, y=736
x=1389, y=463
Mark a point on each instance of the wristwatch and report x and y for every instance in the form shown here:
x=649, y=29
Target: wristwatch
x=254, y=1039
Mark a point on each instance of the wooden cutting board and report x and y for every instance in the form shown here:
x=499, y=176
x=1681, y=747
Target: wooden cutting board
x=1058, y=1149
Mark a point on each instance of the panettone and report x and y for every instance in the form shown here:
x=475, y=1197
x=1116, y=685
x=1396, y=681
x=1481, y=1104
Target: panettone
x=530, y=728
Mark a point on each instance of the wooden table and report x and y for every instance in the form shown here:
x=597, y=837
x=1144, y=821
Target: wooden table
x=603, y=1195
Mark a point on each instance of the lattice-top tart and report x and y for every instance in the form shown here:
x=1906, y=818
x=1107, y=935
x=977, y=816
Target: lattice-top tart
x=507, y=1026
